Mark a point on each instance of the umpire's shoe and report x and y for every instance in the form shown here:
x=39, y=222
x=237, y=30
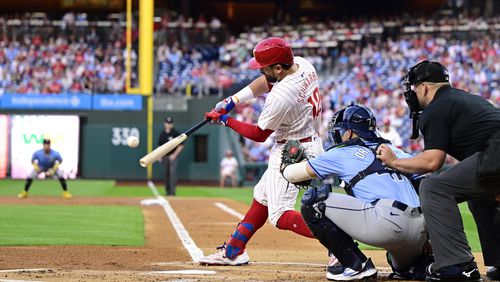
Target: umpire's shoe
x=467, y=271
x=367, y=271
x=493, y=273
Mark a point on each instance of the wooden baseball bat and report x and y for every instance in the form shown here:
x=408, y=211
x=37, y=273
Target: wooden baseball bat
x=166, y=148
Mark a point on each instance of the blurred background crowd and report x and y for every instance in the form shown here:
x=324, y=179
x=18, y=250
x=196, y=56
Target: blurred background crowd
x=361, y=60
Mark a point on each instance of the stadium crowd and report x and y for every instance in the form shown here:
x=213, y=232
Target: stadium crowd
x=361, y=61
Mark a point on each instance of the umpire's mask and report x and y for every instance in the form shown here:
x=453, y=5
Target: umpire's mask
x=425, y=71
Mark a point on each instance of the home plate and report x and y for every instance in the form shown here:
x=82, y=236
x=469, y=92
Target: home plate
x=186, y=272
x=151, y=202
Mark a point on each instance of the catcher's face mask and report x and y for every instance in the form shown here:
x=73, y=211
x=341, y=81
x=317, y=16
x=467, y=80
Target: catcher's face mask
x=335, y=128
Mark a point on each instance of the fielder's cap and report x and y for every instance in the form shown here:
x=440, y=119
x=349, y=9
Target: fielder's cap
x=428, y=71
x=169, y=119
x=46, y=141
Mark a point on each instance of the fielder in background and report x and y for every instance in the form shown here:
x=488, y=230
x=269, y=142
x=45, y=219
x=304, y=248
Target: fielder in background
x=47, y=161
x=467, y=127
x=292, y=111
x=381, y=207
x=228, y=169
x=170, y=159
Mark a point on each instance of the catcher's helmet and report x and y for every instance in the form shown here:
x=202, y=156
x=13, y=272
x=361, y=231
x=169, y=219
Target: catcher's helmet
x=356, y=118
x=273, y=50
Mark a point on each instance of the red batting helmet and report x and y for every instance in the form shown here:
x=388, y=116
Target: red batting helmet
x=273, y=50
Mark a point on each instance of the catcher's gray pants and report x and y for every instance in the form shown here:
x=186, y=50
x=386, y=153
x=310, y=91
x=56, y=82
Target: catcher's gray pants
x=401, y=233
x=440, y=195
x=170, y=175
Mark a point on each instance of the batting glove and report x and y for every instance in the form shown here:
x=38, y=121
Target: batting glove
x=216, y=117
x=225, y=106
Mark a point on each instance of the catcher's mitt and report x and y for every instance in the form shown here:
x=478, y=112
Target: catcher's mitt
x=293, y=152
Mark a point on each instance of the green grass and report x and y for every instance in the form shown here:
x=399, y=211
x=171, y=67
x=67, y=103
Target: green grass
x=87, y=188
x=71, y=225
x=108, y=188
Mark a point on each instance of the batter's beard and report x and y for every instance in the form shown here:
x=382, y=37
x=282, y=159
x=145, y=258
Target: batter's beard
x=271, y=79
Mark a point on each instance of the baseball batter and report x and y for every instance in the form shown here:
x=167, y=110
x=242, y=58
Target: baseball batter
x=381, y=208
x=47, y=161
x=291, y=111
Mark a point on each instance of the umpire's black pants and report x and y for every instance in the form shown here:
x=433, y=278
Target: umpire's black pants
x=440, y=195
x=170, y=175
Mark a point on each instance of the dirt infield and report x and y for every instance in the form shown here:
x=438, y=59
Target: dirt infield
x=276, y=255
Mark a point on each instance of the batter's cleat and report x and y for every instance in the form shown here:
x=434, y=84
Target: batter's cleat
x=219, y=258
x=367, y=271
x=67, y=195
x=334, y=266
x=467, y=271
x=22, y=195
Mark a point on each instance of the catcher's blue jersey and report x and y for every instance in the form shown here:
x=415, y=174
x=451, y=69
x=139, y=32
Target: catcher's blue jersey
x=46, y=161
x=346, y=162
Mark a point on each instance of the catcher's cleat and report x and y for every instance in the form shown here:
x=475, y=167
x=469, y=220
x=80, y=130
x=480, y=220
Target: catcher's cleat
x=23, y=195
x=334, y=266
x=367, y=271
x=219, y=258
x=67, y=195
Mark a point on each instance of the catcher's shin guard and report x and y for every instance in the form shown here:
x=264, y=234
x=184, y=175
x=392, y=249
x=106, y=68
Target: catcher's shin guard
x=332, y=237
x=239, y=239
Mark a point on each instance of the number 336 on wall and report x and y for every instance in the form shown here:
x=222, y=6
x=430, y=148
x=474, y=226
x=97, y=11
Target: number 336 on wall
x=119, y=135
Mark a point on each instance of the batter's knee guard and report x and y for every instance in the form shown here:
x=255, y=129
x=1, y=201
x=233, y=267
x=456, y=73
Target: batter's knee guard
x=239, y=239
x=328, y=233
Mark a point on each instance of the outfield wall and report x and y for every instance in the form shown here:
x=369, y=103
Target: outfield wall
x=103, y=152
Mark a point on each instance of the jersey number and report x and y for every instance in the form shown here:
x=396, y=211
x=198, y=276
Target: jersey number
x=315, y=101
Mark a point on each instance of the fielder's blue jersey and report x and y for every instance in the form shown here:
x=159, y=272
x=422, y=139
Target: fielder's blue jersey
x=346, y=162
x=46, y=161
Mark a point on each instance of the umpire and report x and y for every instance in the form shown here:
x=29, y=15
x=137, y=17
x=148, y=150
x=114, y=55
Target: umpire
x=467, y=127
x=170, y=160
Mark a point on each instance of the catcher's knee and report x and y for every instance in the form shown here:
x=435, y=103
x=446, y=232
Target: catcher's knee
x=312, y=202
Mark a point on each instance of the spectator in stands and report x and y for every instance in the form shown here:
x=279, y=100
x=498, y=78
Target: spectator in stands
x=228, y=169
x=389, y=132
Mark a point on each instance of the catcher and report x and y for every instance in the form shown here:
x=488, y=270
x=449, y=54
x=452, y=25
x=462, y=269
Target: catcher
x=381, y=208
x=46, y=160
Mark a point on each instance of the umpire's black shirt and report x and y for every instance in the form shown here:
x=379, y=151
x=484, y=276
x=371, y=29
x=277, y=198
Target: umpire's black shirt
x=458, y=122
x=165, y=137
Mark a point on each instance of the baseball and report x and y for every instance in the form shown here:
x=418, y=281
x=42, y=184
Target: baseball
x=132, y=141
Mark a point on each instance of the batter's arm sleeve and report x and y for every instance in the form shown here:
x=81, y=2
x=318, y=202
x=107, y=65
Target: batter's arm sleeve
x=298, y=172
x=249, y=131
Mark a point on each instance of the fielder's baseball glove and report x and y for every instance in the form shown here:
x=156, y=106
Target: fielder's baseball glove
x=293, y=152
